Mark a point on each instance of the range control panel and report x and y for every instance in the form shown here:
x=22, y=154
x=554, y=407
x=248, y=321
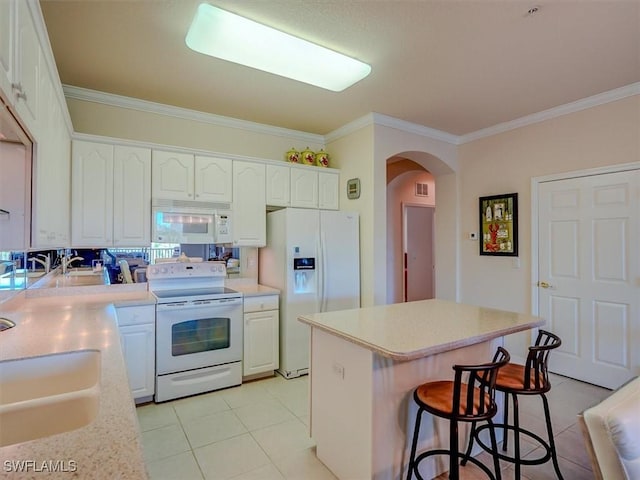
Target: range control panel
x=186, y=270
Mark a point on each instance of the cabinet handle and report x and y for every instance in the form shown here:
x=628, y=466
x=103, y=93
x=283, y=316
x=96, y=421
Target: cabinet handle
x=16, y=86
x=22, y=96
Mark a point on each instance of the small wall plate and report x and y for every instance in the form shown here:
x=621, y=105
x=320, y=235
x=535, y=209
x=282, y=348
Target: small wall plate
x=353, y=188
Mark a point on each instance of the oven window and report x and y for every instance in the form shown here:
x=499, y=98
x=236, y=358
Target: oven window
x=202, y=335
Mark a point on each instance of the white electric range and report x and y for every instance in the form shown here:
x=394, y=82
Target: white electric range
x=198, y=329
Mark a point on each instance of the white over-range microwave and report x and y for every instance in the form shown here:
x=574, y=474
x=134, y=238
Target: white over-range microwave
x=181, y=221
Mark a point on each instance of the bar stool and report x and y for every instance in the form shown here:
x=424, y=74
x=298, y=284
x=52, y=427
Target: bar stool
x=459, y=402
x=529, y=379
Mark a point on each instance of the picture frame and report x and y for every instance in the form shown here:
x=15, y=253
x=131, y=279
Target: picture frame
x=498, y=222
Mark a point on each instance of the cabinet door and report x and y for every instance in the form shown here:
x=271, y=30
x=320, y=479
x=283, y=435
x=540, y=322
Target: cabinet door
x=92, y=194
x=213, y=178
x=138, y=345
x=131, y=196
x=249, y=207
x=27, y=66
x=7, y=34
x=261, y=342
x=304, y=187
x=328, y=190
x=278, y=185
x=172, y=175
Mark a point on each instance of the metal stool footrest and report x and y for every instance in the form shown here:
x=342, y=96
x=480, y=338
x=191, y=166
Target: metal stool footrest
x=466, y=458
x=508, y=458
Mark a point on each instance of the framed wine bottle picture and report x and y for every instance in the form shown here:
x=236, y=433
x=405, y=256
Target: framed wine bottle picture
x=498, y=215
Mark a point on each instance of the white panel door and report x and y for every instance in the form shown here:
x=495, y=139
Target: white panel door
x=261, y=352
x=328, y=190
x=278, y=185
x=304, y=187
x=92, y=194
x=172, y=175
x=589, y=275
x=213, y=179
x=7, y=37
x=138, y=348
x=249, y=204
x=131, y=196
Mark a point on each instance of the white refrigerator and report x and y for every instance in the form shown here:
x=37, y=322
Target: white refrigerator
x=313, y=258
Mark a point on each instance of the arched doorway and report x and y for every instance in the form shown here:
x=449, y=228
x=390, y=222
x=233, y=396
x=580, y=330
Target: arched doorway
x=410, y=231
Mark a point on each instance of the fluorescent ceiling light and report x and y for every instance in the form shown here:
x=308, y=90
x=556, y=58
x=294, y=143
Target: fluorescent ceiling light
x=237, y=39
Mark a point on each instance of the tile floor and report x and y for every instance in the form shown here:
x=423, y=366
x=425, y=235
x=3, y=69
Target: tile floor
x=259, y=431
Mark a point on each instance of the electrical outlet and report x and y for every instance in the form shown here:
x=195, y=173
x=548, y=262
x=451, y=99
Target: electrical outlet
x=338, y=370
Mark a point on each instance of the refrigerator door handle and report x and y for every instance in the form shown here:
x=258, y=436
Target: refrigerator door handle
x=321, y=272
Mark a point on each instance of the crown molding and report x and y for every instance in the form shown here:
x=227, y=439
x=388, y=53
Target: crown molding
x=567, y=108
x=85, y=94
x=391, y=122
x=361, y=122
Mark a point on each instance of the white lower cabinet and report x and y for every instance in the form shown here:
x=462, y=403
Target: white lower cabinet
x=138, y=339
x=261, y=335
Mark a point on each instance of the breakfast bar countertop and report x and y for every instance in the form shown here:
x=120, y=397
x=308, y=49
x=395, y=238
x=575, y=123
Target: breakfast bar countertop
x=109, y=446
x=406, y=331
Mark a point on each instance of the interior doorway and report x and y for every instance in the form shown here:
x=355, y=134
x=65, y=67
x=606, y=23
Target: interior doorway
x=418, y=251
x=409, y=185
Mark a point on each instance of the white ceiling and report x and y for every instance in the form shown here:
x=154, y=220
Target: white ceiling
x=451, y=65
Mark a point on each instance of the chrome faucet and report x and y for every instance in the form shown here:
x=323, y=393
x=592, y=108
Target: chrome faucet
x=65, y=261
x=46, y=263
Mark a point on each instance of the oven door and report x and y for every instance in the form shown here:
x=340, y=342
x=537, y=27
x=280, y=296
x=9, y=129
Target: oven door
x=197, y=334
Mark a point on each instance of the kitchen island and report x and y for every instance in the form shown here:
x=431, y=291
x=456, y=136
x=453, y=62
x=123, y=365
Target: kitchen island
x=365, y=364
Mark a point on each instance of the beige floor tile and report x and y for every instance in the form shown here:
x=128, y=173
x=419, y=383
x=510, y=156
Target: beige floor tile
x=570, y=445
x=569, y=470
x=229, y=458
x=164, y=442
x=153, y=415
x=260, y=415
x=182, y=466
x=212, y=428
x=283, y=438
x=267, y=472
x=246, y=394
x=200, y=406
x=303, y=464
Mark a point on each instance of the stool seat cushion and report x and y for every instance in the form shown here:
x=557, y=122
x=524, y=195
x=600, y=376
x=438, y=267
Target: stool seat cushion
x=511, y=377
x=438, y=398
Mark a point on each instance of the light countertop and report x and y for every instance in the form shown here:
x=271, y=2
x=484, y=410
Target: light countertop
x=109, y=447
x=252, y=289
x=406, y=331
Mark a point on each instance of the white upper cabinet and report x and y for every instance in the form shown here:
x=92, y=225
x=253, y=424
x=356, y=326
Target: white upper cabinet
x=20, y=60
x=172, y=175
x=111, y=200
x=249, y=205
x=131, y=196
x=51, y=176
x=92, y=194
x=328, y=190
x=183, y=176
x=304, y=187
x=278, y=185
x=213, y=179
x=7, y=39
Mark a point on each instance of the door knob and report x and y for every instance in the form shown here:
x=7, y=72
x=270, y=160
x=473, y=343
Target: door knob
x=544, y=285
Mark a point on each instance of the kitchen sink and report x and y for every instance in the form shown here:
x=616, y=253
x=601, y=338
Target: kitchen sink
x=46, y=395
x=82, y=272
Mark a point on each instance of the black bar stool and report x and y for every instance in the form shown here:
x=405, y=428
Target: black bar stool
x=529, y=379
x=459, y=402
